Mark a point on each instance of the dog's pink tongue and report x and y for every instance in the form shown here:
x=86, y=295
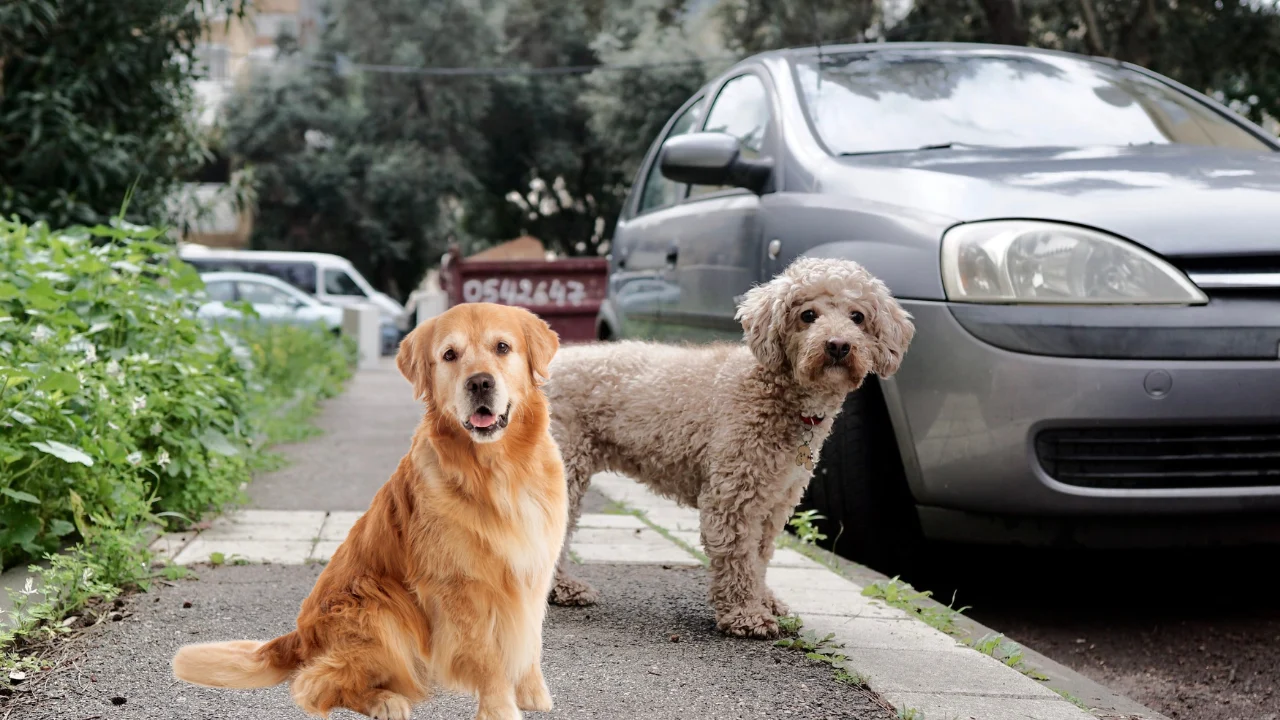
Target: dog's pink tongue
x=483, y=420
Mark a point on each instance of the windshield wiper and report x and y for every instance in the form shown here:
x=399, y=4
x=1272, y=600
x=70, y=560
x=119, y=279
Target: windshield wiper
x=936, y=146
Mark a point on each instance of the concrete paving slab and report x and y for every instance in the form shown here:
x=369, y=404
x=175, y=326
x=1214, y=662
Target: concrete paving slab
x=281, y=552
x=881, y=633
x=844, y=603
x=324, y=550
x=601, y=520
x=167, y=546
x=941, y=671
x=631, y=554
x=976, y=707
x=337, y=524
x=788, y=558
x=271, y=517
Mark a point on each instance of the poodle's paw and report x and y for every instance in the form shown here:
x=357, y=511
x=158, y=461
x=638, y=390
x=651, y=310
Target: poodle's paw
x=572, y=592
x=386, y=705
x=532, y=694
x=755, y=622
x=775, y=606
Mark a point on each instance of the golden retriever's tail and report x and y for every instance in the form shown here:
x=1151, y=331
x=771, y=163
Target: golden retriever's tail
x=239, y=663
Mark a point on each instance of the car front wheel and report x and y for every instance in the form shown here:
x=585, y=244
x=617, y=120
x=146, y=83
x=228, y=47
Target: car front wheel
x=861, y=489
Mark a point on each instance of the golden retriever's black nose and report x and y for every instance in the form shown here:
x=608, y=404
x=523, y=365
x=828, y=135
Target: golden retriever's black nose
x=479, y=383
x=837, y=348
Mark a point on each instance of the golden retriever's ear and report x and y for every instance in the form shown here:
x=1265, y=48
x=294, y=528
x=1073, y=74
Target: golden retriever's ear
x=541, y=343
x=414, y=361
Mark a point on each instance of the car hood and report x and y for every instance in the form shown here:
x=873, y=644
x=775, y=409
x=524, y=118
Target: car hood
x=1175, y=200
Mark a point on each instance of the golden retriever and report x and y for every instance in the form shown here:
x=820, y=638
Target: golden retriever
x=444, y=581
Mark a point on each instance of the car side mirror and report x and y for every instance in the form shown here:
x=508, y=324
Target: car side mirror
x=713, y=158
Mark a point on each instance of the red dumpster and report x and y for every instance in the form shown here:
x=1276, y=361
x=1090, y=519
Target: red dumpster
x=565, y=292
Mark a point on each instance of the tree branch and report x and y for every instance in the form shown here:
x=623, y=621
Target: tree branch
x=1092, y=33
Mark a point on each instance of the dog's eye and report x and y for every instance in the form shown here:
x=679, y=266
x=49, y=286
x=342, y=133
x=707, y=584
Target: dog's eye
x=808, y=316
x=503, y=348
x=450, y=355
x=857, y=317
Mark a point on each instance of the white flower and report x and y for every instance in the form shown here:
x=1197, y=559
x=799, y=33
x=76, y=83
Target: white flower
x=139, y=403
x=114, y=371
x=41, y=334
x=80, y=376
x=102, y=393
x=29, y=588
x=86, y=576
x=113, y=426
x=156, y=429
x=162, y=457
x=134, y=458
x=90, y=353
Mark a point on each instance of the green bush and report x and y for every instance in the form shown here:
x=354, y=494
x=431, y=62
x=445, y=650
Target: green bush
x=118, y=408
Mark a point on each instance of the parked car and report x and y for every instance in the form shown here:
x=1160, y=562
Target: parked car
x=274, y=300
x=331, y=279
x=1091, y=253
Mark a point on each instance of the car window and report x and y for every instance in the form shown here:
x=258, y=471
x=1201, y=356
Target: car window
x=223, y=292
x=895, y=101
x=659, y=191
x=263, y=294
x=338, y=282
x=741, y=109
x=301, y=275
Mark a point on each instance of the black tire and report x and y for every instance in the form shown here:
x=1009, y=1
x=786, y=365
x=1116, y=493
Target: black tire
x=860, y=486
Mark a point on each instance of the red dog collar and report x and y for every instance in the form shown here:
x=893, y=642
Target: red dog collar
x=812, y=420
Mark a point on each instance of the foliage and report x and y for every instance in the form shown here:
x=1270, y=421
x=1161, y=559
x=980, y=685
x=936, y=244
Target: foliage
x=754, y=26
x=804, y=524
x=94, y=97
x=120, y=409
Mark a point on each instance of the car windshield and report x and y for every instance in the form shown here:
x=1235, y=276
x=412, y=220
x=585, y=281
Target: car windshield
x=898, y=100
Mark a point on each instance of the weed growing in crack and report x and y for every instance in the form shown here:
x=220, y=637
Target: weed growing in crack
x=803, y=523
x=896, y=593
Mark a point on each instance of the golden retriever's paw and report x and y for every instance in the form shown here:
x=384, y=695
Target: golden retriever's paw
x=756, y=622
x=572, y=592
x=386, y=705
x=533, y=694
x=498, y=712
x=775, y=606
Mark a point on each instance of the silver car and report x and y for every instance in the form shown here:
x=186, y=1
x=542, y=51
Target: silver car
x=1091, y=253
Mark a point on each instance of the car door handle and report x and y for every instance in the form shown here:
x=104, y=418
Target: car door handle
x=673, y=254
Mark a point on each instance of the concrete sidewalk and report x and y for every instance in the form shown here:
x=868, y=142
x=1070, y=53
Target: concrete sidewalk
x=648, y=650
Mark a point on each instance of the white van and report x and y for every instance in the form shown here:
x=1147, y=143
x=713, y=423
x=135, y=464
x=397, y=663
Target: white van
x=332, y=279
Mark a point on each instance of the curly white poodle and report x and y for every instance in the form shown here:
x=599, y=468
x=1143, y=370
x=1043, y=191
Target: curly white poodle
x=732, y=430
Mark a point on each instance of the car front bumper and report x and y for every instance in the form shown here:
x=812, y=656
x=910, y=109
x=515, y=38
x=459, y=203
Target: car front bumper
x=967, y=415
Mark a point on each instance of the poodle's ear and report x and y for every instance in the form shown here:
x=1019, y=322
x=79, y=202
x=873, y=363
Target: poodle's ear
x=892, y=330
x=414, y=359
x=541, y=343
x=763, y=314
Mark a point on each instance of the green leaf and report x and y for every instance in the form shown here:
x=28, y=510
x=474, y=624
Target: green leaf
x=64, y=452
x=217, y=443
x=22, y=417
x=20, y=496
x=11, y=381
x=61, y=528
x=8, y=291
x=66, y=382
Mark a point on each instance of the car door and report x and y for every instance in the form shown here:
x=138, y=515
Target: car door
x=338, y=288
x=272, y=304
x=644, y=238
x=220, y=292
x=718, y=251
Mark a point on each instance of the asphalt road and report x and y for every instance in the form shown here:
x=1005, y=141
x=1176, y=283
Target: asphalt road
x=1192, y=634
x=616, y=660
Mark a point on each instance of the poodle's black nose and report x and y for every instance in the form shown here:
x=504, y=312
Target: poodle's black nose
x=483, y=382
x=837, y=348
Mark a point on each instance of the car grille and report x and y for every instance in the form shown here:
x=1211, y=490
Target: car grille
x=1253, y=276
x=1152, y=458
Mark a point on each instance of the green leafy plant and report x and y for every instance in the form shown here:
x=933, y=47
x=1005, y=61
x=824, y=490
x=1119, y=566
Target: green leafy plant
x=896, y=593
x=806, y=529
x=121, y=411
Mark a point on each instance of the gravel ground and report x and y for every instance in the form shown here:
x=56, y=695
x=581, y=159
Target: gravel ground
x=1190, y=634
x=616, y=660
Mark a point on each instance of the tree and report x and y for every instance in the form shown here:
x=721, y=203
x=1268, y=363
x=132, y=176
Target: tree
x=95, y=97
x=372, y=166
x=753, y=26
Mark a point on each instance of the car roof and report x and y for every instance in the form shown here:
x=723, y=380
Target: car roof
x=920, y=48
x=230, y=276
x=202, y=251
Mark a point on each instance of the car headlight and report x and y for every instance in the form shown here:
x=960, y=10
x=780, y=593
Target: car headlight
x=1023, y=261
